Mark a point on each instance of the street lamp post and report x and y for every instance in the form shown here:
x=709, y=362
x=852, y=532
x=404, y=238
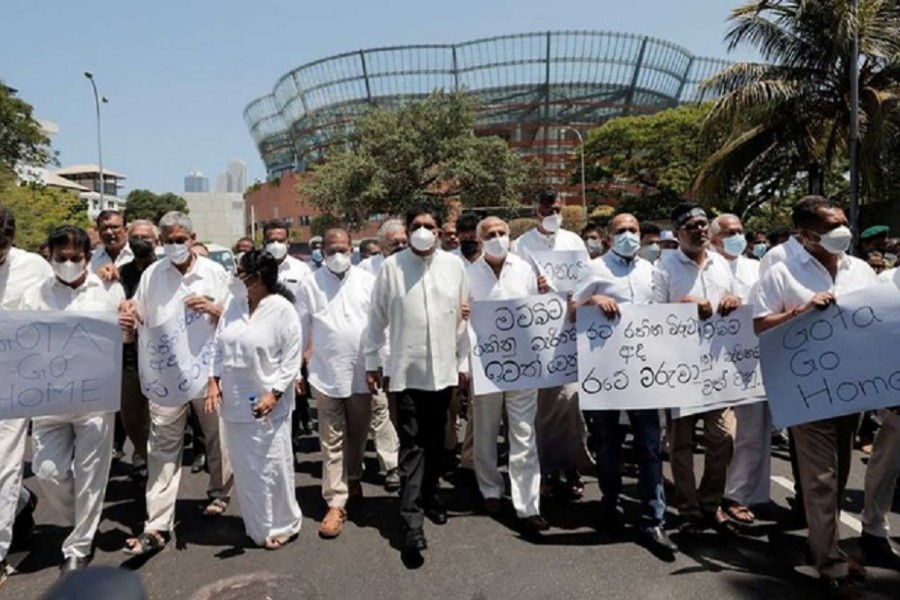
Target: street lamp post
x=97, y=100
x=854, y=125
x=583, y=194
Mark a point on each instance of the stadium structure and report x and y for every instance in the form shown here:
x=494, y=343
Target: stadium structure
x=531, y=89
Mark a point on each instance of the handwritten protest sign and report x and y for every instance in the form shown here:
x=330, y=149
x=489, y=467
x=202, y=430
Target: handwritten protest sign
x=522, y=344
x=561, y=267
x=59, y=363
x=835, y=362
x=174, y=358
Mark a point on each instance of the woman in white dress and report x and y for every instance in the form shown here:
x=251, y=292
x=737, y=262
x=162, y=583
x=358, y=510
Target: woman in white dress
x=258, y=356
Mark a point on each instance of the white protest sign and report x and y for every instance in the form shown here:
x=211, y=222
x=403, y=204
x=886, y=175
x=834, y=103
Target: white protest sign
x=522, y=344
x=677, y=413
x=174, y=358
x=562, y=268
x=730, y=355
x=59, y=363
x=838, y=361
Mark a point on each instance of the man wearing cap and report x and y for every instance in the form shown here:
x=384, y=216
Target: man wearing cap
x=694, y=274
x=316, y=256
x=873, y=239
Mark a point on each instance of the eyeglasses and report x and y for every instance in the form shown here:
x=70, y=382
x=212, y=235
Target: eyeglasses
x=695, y=225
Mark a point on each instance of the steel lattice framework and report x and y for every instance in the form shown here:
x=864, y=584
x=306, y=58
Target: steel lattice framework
x=529, y=88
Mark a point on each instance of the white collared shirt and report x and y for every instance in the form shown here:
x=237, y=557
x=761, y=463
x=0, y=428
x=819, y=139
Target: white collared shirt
x=334, y=314
x=793, y=283
x=535, y=241
x=420, y=299
x=517, y=280
x=291, y=272
x=20, y=272
x=256, y=354
x=745, y=272
x=676, y=276
x=101, y=258
x=372, y=264
x=890, y=276
x=779, y=253
x=625, y=281
x=163, y=289
x=93, y=295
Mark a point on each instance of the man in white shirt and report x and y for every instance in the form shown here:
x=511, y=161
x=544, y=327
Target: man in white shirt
x=419, y=294
x=499, y=275
x=72, y=452
x=115, y=251
x=391, y=239
x=694, y=274
x=748, y=482
x=561, y=432
x=276, y=239
x=780, y=253
x=333, y=304
x=19, y=271
x=622, y=277
x=449, y=237
x=817, y=277
x=178, y=283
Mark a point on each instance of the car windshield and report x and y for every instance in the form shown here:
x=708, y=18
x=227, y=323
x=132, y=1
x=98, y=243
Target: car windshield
x=224, y=258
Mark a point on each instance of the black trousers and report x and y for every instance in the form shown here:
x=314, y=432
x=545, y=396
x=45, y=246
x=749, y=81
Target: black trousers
x=422, y=419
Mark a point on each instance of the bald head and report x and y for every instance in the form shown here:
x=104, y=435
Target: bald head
x=336, y=239
x=622, y=223
x=491, y=227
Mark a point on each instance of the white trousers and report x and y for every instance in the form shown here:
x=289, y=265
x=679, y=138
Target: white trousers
x=749, y=474
x=263, y=461
x=524, y=465
x=387, y=444
x=343, y=432
x=881, y=475
x=72, y=455
x=165, y=447
x=12, y=456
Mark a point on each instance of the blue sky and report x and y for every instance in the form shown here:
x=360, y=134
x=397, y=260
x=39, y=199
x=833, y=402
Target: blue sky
x=178, y=74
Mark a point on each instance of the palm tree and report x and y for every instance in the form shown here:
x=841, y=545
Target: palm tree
x=790, y=114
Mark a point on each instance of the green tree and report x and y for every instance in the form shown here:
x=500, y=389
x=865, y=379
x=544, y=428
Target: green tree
x=144, y=204
x=425, y=148
x=22, y=141
x=790, y=114
x=39, y=209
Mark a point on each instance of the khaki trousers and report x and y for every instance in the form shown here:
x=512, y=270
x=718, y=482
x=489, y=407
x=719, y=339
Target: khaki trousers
x=824, y=450
x=387, y=444
x=343, y=431
x=881, y=475
x=165, y=448
x=718, y=432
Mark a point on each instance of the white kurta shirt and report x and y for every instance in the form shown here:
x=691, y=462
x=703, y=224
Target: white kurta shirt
x=100, y=258
x=256, y=354
x=291, y=272
x=625, y=281
x=793, y=283
x=533, y=240
x=334, y=314
x=779, y=253
x=161, y=293
x=372, y=264
x=517, y=280
x=93, y=295
x=676, y=276
x=746, y=273
x=420, y=299
x=20, y=272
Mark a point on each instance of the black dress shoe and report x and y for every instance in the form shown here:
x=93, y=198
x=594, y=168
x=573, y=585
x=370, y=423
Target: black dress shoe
x=437, y=515
x=879, y=551
x=73, y=563
x=611, y=522
x=657, y=539
x=415, y=541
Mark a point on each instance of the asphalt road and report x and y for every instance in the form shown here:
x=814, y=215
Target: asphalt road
x=472, y=557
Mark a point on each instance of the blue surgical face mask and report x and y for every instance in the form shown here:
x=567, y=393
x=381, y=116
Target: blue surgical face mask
x=317, y=255
x=759, y=250
x=735, y=245
x=626, y=244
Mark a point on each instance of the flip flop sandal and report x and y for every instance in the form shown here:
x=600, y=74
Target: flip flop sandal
x=144, y=544
x=278, y=542
x=216, y=508
x=739, y=513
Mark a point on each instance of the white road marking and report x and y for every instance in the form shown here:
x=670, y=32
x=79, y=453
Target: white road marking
x=846, y=518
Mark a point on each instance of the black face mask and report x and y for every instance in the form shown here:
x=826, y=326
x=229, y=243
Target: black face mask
x=469, y=248
x=140, y=247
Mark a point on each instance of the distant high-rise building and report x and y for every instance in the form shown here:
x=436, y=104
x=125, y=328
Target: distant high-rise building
x=237, y=176
x=196, y=182
x=222, y=183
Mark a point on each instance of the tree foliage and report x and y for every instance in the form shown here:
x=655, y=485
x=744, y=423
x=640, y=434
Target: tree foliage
x=791, y=114
x=426, y=148
x=22, y=141
x=39, y=209
x=144, y=204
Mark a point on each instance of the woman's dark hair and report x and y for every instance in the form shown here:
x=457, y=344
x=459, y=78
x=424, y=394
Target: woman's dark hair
x=260, y=262
x=69, y=235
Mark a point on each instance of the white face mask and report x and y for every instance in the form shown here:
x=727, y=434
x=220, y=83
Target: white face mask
x=338, y=262
x=422, y=239
x=649, y=252
x=497, y=247
x=177, y=253
x=593, y=245
x=552, y=223
x=278, y=250
x=68, y=271
x=837, y=241
x=735, y=245
x=626, y=244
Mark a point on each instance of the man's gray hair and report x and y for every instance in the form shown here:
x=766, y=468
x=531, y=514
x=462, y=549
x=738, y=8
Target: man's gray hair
x=715, y=227
x=176, y=219
x=143, y=223
x=389, y=227
x=485, y=222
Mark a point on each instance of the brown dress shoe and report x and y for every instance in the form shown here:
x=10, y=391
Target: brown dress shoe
x=535, y=524
x=333, y=523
